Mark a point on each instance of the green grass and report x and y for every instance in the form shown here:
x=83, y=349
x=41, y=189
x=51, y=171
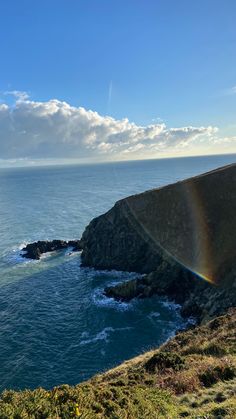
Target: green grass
x=87, y=401
x=193, y=375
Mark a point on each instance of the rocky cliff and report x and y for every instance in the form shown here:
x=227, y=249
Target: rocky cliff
x=174, y=234
x=192, y=221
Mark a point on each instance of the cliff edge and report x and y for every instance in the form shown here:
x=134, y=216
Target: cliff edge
x=192, y=221
x=174, y=235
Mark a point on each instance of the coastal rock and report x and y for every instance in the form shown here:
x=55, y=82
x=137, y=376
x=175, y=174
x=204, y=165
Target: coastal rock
x=36, y=249
x=125, y=291
x=182, y=236
x=163, y=281
x=192, y=222
x=198, y=298
x=169, y=279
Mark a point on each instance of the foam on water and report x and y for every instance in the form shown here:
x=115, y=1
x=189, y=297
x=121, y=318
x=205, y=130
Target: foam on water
x=170, y=305
x=100, y=299
x=15, y=256
x=103, y=335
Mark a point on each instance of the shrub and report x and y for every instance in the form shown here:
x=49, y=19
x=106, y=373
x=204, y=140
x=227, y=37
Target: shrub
x=164, y=360
x=214, y=374
x=219, y=412
x=215, y=349
x=182, y=382
x=212, y=349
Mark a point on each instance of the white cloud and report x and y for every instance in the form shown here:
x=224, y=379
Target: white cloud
x=55, y=129
x=18, y=94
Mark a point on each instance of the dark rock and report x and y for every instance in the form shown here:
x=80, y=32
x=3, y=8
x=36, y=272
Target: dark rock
x=113, y=241
x=192, y=222
x=197, y=297
x=75, y=244
x=169, y=279
x=124, y=291
x=36, y=249
x=181, y=236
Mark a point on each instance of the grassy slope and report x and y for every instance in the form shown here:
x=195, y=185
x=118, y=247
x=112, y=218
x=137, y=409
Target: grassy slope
x=193, y=375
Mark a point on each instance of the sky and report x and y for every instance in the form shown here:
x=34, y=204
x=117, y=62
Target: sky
x=103, y=80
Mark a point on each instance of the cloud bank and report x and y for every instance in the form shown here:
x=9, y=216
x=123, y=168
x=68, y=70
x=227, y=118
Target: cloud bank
x=55, y=129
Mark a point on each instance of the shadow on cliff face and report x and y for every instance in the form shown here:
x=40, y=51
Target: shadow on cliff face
x=192, y=221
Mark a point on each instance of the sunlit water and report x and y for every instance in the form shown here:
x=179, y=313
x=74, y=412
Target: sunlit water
x=55, y=324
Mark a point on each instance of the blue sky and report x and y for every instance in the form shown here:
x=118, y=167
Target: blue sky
x=148, y=61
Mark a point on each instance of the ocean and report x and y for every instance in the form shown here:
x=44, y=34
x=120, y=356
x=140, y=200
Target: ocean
x=56, y=326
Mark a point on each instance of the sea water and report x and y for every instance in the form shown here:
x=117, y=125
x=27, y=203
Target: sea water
x=56, y=326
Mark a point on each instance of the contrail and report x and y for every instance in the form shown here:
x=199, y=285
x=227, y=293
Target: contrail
x=109, y=96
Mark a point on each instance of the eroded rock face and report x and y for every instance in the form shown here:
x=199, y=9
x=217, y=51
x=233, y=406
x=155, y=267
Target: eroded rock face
x=177, y=235
x=36, y=249
x=193, y=222
x=197, y=297
x=169, y=278
x=116, y=241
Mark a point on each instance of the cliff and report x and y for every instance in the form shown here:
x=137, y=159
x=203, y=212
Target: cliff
x=192, y=221
x=175, y=235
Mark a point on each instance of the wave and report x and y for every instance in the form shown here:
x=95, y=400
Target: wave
x=102, y=335
x=14, y=256
x=176, y=307
x=100, y=299
x=170, y=305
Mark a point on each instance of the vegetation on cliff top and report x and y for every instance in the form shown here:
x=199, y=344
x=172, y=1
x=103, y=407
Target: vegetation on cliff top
x=193, y=375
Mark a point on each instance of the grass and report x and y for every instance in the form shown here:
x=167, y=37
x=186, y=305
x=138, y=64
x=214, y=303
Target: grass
x=193, y=375
x=88, y=401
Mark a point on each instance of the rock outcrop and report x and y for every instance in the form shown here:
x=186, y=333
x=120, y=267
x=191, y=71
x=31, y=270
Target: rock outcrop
x=36, y=249
x=192, y=221
x=174, y=235
x=198, y=298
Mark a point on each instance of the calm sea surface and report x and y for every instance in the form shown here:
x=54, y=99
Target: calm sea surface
x=55, y=325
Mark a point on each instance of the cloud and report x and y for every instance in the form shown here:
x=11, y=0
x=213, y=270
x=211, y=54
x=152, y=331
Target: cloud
x=18, y=94
x=55, y=129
